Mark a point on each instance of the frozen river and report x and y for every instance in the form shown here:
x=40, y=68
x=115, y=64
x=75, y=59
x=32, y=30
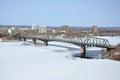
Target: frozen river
x=25, y=61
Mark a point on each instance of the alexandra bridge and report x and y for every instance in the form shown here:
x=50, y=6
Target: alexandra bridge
x=82, y=41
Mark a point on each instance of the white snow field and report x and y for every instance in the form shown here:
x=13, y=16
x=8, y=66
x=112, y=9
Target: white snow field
x=25, y=61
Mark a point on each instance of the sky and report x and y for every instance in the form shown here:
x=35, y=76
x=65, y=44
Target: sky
x=104, y=13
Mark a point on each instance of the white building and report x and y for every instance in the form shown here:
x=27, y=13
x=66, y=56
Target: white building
x=42, y=29
x=34, y=27
x=12, y=31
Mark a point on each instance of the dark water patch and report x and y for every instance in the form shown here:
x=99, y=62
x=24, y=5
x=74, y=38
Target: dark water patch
x=90, y=54
x=76, y=55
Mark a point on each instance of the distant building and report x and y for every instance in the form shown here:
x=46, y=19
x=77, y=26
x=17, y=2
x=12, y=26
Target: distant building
x=42, y=29
x=85, y=31
x=34, y=27
x=54, y=31
x=64, y=29
x=94, y=29
x=12, y=31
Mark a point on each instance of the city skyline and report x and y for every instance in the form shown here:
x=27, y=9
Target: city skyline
x=60, y=12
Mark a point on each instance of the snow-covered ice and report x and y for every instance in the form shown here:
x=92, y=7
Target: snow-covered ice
x=25, y=61
x=112, y=40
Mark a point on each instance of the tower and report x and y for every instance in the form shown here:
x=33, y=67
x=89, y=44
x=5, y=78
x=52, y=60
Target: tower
x=94, y=29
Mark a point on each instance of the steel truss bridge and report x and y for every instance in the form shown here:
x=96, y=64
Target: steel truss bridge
x=82, y=41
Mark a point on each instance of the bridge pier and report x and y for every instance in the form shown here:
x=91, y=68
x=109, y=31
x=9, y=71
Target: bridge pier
x=19, y=38
x=83, y=50
x=45, y=43
x=24, y=39
x=34, y=40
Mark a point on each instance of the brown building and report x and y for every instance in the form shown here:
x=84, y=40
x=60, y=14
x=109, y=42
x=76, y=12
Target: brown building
x=94, y=29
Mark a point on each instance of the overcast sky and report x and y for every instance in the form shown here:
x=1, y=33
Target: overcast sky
x=60, y=12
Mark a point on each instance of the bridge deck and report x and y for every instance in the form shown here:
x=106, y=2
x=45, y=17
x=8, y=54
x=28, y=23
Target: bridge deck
x=87, y=41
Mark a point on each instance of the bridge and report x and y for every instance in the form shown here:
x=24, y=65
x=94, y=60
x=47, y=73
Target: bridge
x=82, y=41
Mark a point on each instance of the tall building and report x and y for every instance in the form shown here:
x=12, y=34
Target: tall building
x=94, y=29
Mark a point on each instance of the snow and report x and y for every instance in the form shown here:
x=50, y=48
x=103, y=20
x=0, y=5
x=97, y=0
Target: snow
x=25, y=61
x=112, y=40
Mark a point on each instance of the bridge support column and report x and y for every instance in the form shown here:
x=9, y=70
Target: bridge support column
x=24, y=39
x=34, y=40
x=83, y=52
x=45, y=43
x=19, y=38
